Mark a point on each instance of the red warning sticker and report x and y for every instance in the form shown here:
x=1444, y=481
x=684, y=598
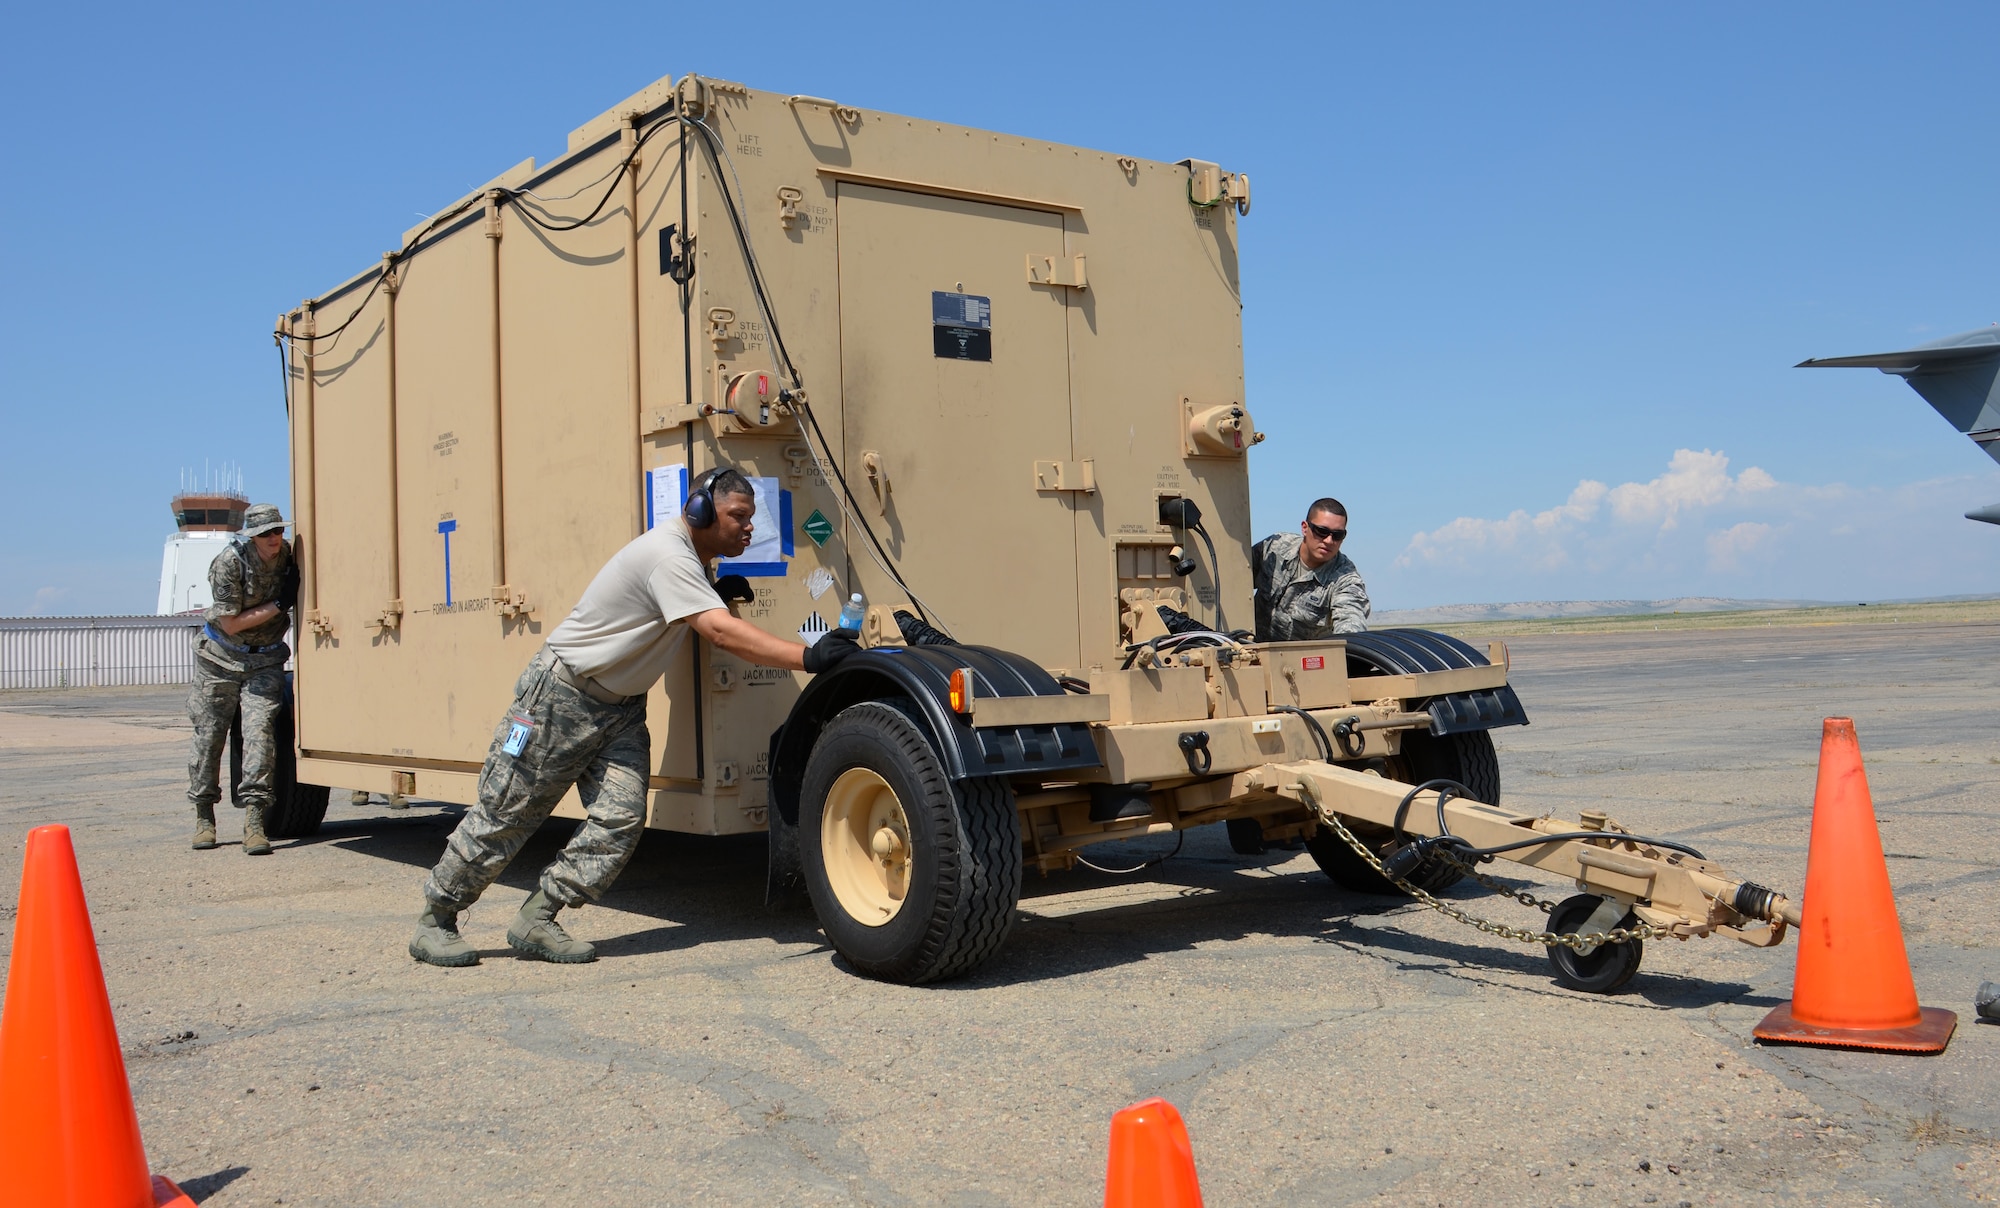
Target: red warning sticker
x=1313, y=662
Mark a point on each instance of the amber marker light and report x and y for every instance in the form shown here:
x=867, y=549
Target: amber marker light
x=961, y=690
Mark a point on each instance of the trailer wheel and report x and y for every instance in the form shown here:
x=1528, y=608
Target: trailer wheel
x=296, y=809
x=914, y=878
x=1246, y=836
x=1467, y=758
x=1607, y=967
x=1356, y=875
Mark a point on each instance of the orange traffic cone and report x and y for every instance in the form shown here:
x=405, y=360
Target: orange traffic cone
x=1152, y=1163
x=1852, y=988
x=68, y=1135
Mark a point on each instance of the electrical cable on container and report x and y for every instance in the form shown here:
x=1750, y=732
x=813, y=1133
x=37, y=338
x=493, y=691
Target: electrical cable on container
x=333, y=337
x=849, y=505
x=284, y=370
x=1214, y=568
x=514, y=195
x=722, y=159
x=580, y=190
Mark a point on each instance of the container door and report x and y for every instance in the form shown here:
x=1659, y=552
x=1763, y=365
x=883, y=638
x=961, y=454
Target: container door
x=954, y=383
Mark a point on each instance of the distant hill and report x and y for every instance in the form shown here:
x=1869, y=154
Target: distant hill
x=1538, y=610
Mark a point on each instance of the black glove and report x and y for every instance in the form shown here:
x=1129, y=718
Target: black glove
x=833, y=646
x=734, y=589
x=288, y=589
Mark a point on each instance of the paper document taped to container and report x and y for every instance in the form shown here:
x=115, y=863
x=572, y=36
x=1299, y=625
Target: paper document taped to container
x=666, y=491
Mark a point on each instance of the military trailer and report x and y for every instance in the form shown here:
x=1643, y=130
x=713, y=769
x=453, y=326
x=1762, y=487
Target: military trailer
x=990, y=383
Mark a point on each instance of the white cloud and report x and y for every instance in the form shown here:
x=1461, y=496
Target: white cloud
x=1726, y=548
x=1699, y=529
x=1693, y=482
x=1470, y=532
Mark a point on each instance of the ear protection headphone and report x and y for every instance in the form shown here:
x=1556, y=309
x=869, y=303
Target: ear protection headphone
x=700, y=506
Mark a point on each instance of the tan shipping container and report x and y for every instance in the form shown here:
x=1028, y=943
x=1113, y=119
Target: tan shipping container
x=1010, y=347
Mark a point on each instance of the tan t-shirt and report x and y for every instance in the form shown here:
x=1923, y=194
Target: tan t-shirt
x=632, y=620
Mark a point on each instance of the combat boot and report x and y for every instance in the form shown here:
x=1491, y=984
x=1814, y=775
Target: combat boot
x=535, y=933
x=204, y=827
x=254, y=842
x=438, y=942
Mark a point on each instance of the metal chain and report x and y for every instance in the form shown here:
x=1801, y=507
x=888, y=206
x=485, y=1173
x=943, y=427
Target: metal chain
x=1571, y=940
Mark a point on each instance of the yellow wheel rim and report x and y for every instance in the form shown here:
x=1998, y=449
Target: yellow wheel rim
x=864, y=838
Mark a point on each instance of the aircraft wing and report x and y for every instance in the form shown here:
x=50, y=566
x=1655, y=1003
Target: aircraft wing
x=1959, y=376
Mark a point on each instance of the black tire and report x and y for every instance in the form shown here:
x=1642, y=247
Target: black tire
x=1607, y=968
x=963, y=842
x=1246, y=836
x=1356, y=875
x=1467, y=758
x=296, y=809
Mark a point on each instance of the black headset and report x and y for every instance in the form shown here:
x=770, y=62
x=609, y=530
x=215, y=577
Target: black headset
x=700, y=506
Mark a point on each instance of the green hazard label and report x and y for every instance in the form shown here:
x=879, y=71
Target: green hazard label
x=818, y=527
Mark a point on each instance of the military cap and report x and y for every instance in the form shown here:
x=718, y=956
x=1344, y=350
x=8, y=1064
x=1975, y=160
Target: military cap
x=262, y=518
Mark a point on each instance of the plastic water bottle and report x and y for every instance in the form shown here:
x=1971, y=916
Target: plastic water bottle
x=853, y=612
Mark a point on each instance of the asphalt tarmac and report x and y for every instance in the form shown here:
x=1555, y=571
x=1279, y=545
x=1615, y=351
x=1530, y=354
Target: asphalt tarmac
x=1324, y=1048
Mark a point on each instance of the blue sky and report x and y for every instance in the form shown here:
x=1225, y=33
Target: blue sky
x=1523, y=284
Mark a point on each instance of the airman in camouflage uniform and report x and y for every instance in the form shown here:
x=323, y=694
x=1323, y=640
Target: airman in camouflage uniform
x=1306, y=588
x=579, y=718
x=600, y=746
x=240, y=664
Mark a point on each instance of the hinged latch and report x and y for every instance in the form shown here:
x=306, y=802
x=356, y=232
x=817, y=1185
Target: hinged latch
x=1066, y=272
x=1066, y=476
x=510, y=601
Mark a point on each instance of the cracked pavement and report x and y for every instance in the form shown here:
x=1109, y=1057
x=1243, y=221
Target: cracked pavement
x=1324, y=1048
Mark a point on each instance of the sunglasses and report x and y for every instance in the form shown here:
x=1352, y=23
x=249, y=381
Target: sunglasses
x=1327, y=534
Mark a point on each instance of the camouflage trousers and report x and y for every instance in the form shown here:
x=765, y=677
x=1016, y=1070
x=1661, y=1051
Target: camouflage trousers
x=213, y=698
x=602, y=749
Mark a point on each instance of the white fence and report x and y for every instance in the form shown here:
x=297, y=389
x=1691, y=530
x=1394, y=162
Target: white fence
x=92, y=652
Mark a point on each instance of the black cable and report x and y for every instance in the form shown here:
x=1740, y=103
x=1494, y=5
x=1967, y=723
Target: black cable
x=833, y=463
x=1446, y=789
x=513, y=197
x=1320, y=739
x=1215, y=570
x=1181, y=838
x=1463, y=851
x=382, y=274
x=715, y=155
x=685, y=280
x=617, y=178
x=1481, y=853
x=770, y=314
x=284, y=371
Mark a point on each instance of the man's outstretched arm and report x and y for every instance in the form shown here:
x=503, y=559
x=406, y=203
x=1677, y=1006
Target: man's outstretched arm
x=744, y=640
